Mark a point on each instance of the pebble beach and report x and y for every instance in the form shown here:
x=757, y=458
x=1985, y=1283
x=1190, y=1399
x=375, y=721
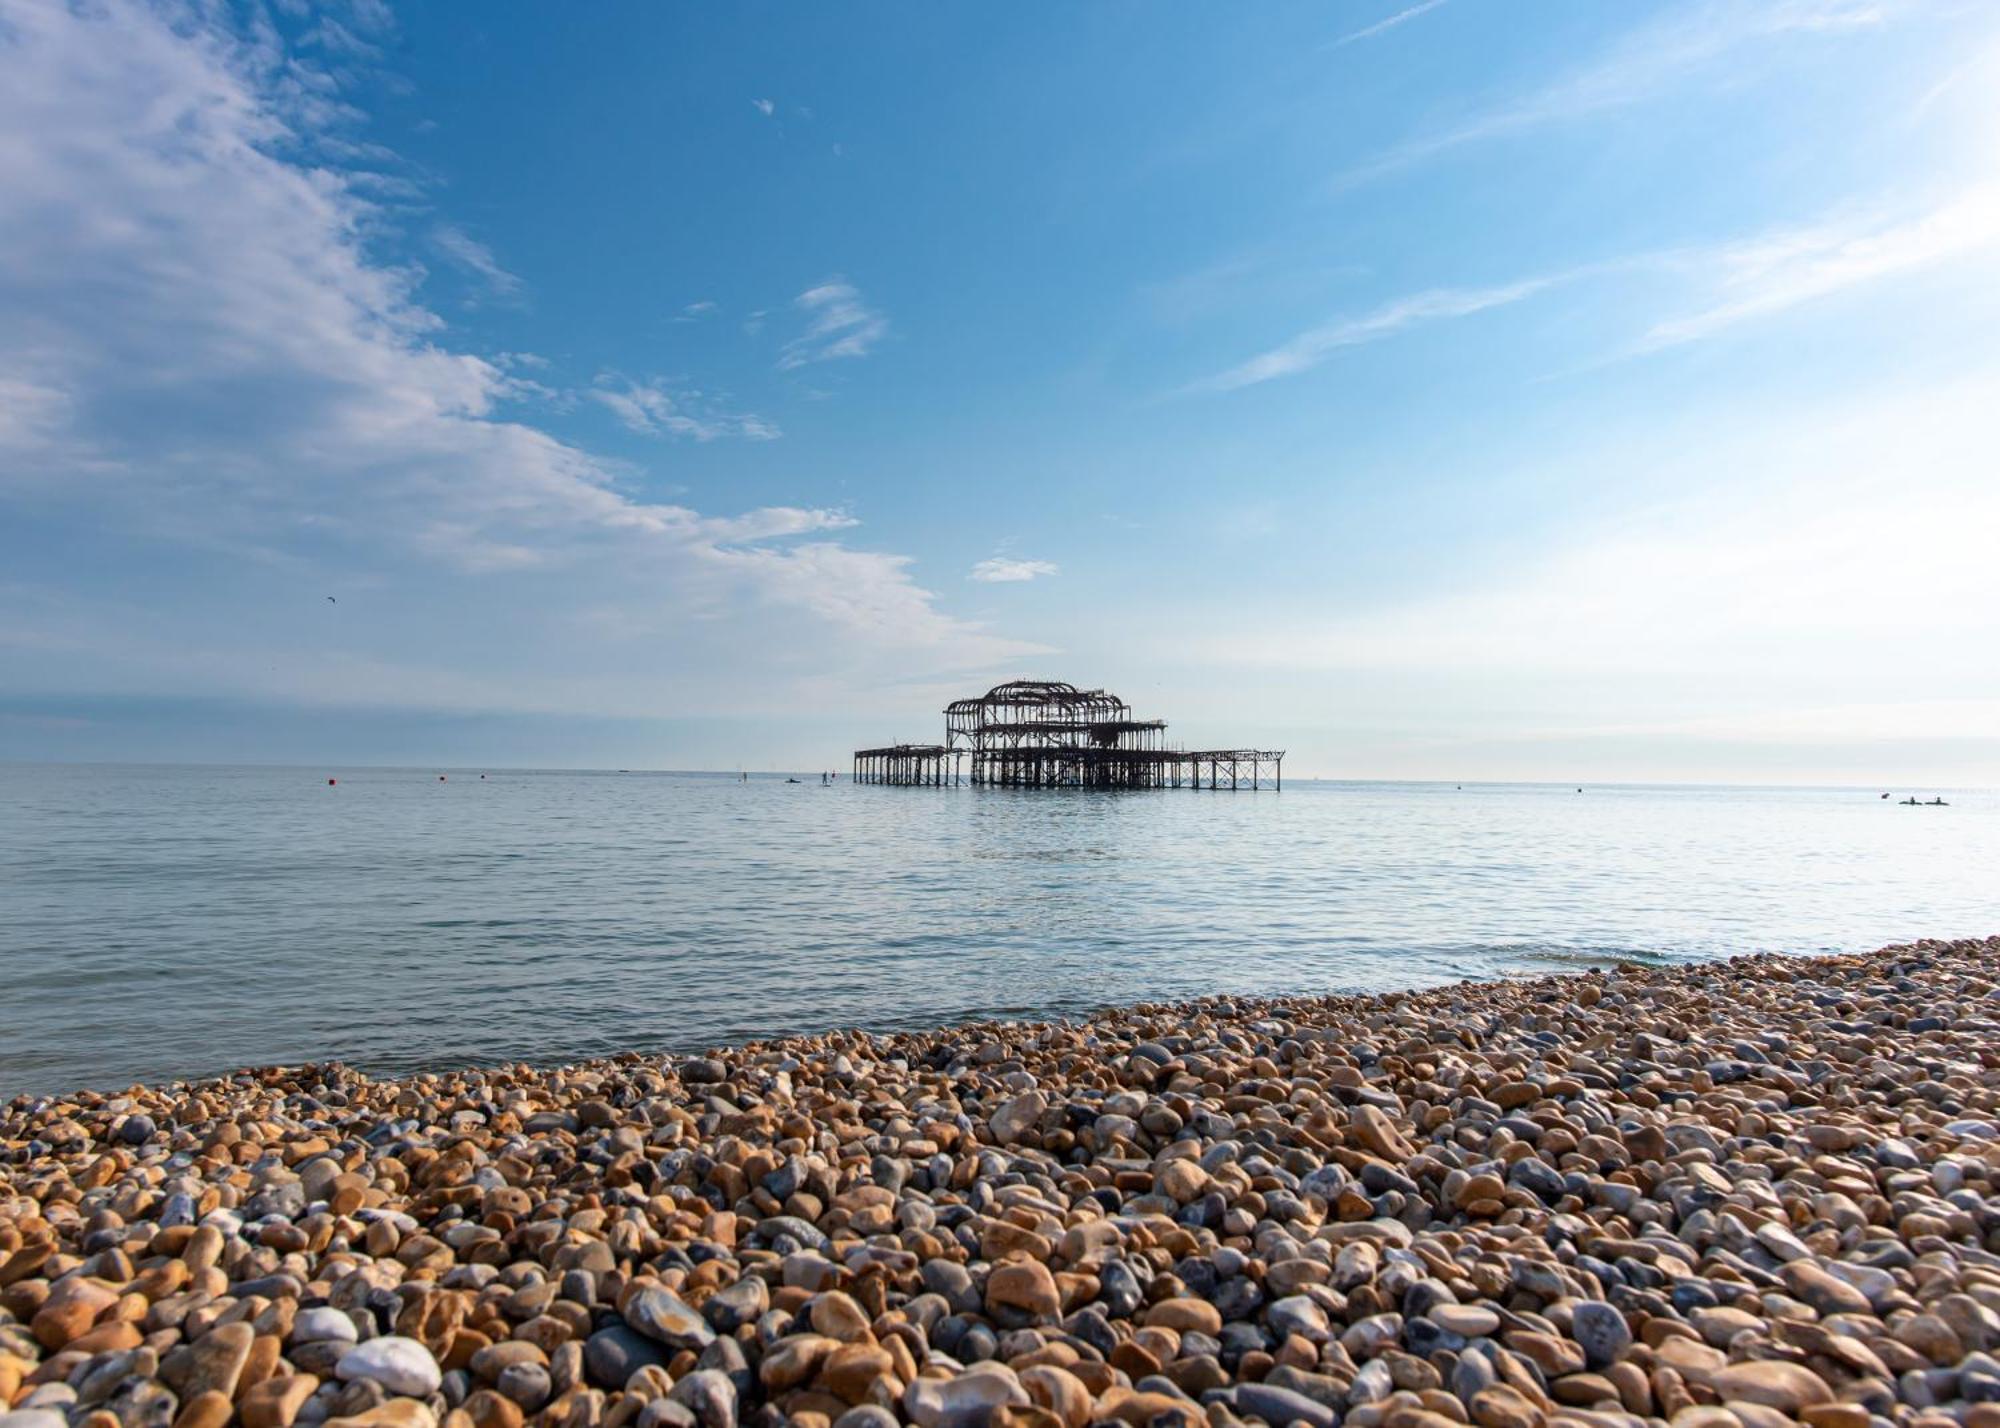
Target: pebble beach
x=1735, y=1195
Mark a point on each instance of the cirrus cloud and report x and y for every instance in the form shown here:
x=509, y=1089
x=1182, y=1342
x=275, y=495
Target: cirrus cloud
x=838, y=324
x=1006, y=570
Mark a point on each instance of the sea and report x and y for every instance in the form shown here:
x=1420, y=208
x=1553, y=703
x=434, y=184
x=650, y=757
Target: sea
x=162, y=923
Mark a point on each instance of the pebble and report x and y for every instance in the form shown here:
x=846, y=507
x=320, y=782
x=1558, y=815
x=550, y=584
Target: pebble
x=1735, y=1195
x=1600, y=1331
x=402, y=1366
x=660, y=1315
x=323, y=1325
x=612, y=1355
x=1471, y=1321
x=932, y=1403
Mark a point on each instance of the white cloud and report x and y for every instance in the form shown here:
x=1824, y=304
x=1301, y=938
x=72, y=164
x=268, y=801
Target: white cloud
x=1311, y=347
x=1780, y=271
x=1683, y=40
x=1002, y=570
x=211, y=376
x=1830, y=559
x=765, y=107
x=475, y=258
x=32, y=416
x=695, y=311
x=1368, y=32
x=838, y=324
x=654, y=409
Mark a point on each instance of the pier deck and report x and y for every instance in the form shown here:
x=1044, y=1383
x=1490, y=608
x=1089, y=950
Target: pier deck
x=1046, y=734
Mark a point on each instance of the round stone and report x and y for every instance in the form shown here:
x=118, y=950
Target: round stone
x=323, y=1324
x=402, y=1366
x=1471, y=1321
x=1600, y=1331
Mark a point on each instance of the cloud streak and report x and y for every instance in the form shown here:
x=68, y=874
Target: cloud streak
x=1313, y=346
x=1733, y=282
x=1401, y=17
x=475, y=258
x=1774, y=273
x=839, y=324
x=1005, y=570
x=1639, y=66
x=655, y=409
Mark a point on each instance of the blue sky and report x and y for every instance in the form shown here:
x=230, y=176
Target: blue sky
x=1435, y=390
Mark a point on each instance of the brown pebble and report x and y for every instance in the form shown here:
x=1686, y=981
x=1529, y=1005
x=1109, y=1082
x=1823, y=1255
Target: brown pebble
x=210, y=1409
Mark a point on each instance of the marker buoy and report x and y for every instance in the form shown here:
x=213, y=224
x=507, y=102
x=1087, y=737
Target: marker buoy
x=441, y=780
x=331, y=782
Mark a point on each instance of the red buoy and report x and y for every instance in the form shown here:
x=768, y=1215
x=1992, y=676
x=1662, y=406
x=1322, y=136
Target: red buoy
x=331, y=782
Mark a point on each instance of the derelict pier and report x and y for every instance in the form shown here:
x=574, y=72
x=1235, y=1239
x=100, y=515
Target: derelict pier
x=1046, y=734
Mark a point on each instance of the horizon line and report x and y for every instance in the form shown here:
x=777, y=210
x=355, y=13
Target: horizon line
x=775, y=771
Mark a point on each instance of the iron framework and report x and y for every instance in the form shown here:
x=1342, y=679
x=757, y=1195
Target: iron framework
x=931, y=764
x=1032, y=733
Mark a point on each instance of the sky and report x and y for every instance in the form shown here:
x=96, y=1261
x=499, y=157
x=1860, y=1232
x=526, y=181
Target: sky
x=1432, y=390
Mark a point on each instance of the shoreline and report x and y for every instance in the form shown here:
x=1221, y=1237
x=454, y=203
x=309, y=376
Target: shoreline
x=1716, y=1196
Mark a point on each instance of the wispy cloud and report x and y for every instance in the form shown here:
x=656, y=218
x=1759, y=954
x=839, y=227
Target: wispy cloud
x=1312, y=347
x=1005, y=570
x=655, y=409
x=1779, y=271
x=475, y=258
x=33, y=415
x=838, y=324
x=1728, y=283
x=1639, y=66
x=1797, y=567
x=695, y=311
x=766, y=107
x=1368, y=32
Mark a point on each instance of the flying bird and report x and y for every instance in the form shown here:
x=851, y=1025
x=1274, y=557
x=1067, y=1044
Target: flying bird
x=331, y=601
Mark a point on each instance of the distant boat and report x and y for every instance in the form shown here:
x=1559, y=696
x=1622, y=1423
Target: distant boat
x=1925, y=803
x=791, y=780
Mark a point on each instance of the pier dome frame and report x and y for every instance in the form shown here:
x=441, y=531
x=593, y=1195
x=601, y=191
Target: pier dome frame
x=1044, y=733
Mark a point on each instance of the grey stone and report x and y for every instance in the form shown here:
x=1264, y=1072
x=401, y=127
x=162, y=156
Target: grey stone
x=1300, y=1315
x=1600, y=1331
x=1281, y=1405
x=660, y=1315
x=614, y=1354
x=743, y=1302
x=322, y=1325
x=710, y=1396
x=402, y=1366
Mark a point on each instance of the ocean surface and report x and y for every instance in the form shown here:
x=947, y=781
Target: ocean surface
x=165, y=922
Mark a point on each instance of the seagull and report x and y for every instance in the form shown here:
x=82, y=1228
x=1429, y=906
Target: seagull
x=331, y=601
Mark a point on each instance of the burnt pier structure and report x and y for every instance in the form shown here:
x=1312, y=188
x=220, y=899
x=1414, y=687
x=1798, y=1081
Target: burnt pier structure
x=1032, y=733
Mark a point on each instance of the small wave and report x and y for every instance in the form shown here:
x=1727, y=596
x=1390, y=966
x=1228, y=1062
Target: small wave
x=1581, y=956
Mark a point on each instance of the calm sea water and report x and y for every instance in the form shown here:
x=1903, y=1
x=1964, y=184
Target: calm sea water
x=163, y=922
